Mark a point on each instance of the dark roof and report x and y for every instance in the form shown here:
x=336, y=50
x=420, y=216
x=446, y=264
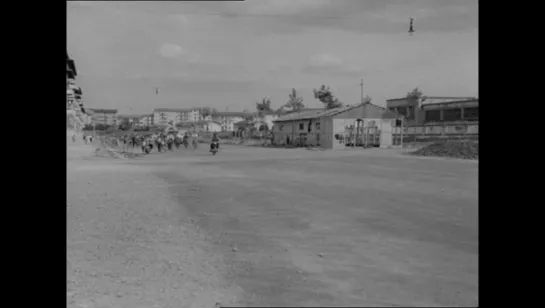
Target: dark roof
x=232, y=114
x=434, y=97
x=306, y=115
x=446, y=101
x=316, y=113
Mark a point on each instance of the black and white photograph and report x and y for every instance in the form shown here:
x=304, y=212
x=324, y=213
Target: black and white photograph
x=272, y=153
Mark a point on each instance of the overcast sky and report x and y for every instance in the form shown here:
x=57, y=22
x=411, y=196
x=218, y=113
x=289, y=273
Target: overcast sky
x=232, y=54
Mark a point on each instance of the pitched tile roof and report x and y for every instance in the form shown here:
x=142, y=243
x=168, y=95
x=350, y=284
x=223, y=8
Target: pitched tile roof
x=313, y=114
x=232, y=114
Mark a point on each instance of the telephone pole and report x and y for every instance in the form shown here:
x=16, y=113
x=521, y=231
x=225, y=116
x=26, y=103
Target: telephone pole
x=361, y=85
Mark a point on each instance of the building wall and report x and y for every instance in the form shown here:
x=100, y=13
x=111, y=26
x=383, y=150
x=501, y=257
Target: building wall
x=227, y=122
x=451, y=112
x=164, y=117
x=326, y=132
x=269, y=120
x=213, y=127
x=104, y=118
x=147, y=120
x=408, y=108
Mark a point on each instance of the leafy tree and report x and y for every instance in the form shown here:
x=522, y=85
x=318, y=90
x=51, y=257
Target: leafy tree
x=414, y=94
x=264, y=105
x=325, y=96
x=205, y=112
x=295, y=102
x=125, y=125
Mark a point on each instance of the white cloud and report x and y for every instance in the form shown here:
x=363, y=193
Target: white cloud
x=168, y=50
x=325, y=60
x=173, y=51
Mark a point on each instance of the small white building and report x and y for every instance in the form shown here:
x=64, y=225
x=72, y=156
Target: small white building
x=227, y=119
x=336, y=128
x=211, y=126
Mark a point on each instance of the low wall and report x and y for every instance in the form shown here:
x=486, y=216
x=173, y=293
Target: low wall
x=454, y=129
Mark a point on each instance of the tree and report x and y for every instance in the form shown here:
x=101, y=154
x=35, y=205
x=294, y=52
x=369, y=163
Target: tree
x=414, y=94
x=264, y=105
x=325, y=96
x=163, y=117
x=295, y=102
x=367, y=99
x=205, y=112
x=125, y=125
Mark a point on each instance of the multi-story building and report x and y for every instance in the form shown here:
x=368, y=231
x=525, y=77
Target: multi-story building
x=147, y=120
x=103, y=116
x=129, y=119
x=434, y=109
x=163, y=116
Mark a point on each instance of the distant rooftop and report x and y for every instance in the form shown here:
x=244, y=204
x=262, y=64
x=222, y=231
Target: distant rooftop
x=316, y=113
x=232, y=114
x=171, y=109
x=432, y=100
x=94, y=110
x=425, y=97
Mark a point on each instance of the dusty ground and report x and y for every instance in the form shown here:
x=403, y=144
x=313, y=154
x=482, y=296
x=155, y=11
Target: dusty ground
x=263, y=227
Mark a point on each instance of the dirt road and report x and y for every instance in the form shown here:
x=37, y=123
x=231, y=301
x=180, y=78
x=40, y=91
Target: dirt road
x=131, y=245
x=303, y=228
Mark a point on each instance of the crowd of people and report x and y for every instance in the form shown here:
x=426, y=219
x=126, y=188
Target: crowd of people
x=161, y=142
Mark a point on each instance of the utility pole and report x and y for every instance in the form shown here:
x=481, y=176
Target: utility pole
x=361, y=85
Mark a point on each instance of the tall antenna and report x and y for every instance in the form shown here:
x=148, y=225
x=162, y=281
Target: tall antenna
x=411, y=28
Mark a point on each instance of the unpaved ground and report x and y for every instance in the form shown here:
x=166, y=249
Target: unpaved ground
x=130, y=244
x=307, y=228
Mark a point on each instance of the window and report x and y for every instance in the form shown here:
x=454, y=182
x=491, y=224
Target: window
x=471, y=113
x=281, y=127
x=402, y=111
x=433, y=116
x=301, y=126
x=452, y=114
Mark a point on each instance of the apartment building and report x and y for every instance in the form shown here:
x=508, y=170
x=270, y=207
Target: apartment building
x=103, y=116
x=163, y=116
